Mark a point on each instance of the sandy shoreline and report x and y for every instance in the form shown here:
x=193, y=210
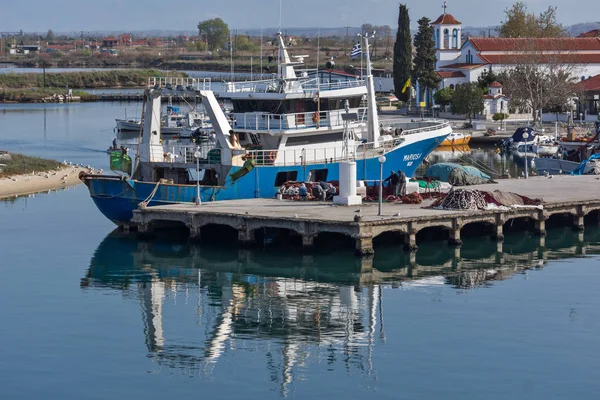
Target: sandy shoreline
x=18, y=185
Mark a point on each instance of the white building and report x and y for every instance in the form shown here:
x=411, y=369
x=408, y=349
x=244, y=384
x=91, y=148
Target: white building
x=495, y=101
x=463, y=62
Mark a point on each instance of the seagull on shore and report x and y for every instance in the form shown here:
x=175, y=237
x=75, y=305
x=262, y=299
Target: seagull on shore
x=296, y=215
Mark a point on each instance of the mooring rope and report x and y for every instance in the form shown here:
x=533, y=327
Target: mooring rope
x=144, y=203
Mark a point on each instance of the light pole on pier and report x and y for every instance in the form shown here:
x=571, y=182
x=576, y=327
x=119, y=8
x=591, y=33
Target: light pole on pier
x=526, y=136
x=381, y=162
x=197, y=156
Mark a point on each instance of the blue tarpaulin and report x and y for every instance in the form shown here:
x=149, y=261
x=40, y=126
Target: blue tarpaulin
x=579, y=170
x=443, y=171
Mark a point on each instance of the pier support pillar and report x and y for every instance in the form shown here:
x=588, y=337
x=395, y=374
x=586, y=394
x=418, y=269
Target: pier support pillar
x=499, y=233
x=413, y=270
x=578, y=223
x=144, y=231
x=364, y=246
x=246, y=237
x=411, y=243
x=540, y=227
x=366, y=265
x=308, y=241
x=195, y=235
x=454, y=239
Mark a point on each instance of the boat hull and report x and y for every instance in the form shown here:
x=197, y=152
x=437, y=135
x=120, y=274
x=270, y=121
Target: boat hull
x=118, y=198
x=459, y=141
x=555, y=166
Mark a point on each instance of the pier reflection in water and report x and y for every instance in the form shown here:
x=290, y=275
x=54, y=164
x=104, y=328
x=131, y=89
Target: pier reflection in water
x=199, y=303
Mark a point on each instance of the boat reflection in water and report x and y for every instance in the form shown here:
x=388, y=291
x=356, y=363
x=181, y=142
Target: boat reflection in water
x=296, y=304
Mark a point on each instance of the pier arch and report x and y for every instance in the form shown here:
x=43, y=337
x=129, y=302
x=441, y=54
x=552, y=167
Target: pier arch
x=333, y=240
x=519, y=224
x=271, y=236
x=433, y=233
x=392, y=237
x=216, y=234
x=479, y=228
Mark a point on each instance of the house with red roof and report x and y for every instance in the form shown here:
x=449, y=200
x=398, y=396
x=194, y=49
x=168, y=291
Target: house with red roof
x=110, y=42
x=591, y=89
x=461, y=62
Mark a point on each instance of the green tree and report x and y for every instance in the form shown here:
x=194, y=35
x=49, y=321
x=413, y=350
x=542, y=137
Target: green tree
x=50, y=35
x=402, y=54
x=425, y=58
x=444, y=96
x=467, y=100
x=521, y=23
x=215, y=31
x=486, y=78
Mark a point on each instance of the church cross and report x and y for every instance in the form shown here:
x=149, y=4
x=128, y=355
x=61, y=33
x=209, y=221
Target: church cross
x=445, y=6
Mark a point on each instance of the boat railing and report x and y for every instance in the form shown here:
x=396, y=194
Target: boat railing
x=275, y=85
x=429, y=125
x=331, y=154
x=179, y=84
x=321, y=155
x=295, y=121
x=186, y=153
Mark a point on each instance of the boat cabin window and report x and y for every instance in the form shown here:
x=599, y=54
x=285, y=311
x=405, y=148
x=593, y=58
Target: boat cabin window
x=314, y=139
x=283, y=177
x=317, y=175
x=177, y=176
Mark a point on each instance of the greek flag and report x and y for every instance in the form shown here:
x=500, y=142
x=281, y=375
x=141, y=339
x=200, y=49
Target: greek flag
x=356, y=51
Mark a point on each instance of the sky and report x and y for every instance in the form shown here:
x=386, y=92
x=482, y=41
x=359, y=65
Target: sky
x=132, y=15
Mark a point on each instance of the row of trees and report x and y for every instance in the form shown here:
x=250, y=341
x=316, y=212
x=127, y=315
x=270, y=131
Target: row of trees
x=420, y=68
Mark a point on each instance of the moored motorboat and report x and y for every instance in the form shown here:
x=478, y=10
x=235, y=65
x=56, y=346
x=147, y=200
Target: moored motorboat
x=456, y=139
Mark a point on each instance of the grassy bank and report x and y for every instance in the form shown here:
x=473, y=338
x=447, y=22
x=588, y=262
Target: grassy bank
x=21, y=165
x=77, y=80
x=39, y=95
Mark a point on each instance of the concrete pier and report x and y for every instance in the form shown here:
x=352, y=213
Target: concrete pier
x=575, y=196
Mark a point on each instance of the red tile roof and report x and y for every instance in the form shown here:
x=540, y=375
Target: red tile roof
x=495, y=84
x=591, y=84
x=574, y=58
x=524, y=44
x=592, y=33
x=463, y=66
x=450, y=74
x=446, y=19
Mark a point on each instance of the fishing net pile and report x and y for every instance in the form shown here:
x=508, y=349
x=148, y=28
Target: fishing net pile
x=388, y=196
x=472, y=199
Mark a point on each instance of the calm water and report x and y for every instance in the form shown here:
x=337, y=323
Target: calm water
x=89, y=313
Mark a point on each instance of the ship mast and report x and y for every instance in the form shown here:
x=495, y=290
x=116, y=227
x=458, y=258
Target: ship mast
x=372, y=118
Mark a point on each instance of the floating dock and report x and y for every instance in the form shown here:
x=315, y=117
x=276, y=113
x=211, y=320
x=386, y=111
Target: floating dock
x=572, y=198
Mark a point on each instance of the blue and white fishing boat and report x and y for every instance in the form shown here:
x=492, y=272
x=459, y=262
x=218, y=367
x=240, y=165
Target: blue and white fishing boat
x=288, y=128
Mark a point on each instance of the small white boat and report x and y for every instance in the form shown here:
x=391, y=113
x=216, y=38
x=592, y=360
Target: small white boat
x=128, y=124
x=539, y=149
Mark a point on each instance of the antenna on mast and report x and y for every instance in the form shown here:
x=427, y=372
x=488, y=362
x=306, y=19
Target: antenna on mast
x=280, y=15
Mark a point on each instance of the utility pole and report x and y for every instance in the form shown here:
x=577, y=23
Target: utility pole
x=346, y=47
